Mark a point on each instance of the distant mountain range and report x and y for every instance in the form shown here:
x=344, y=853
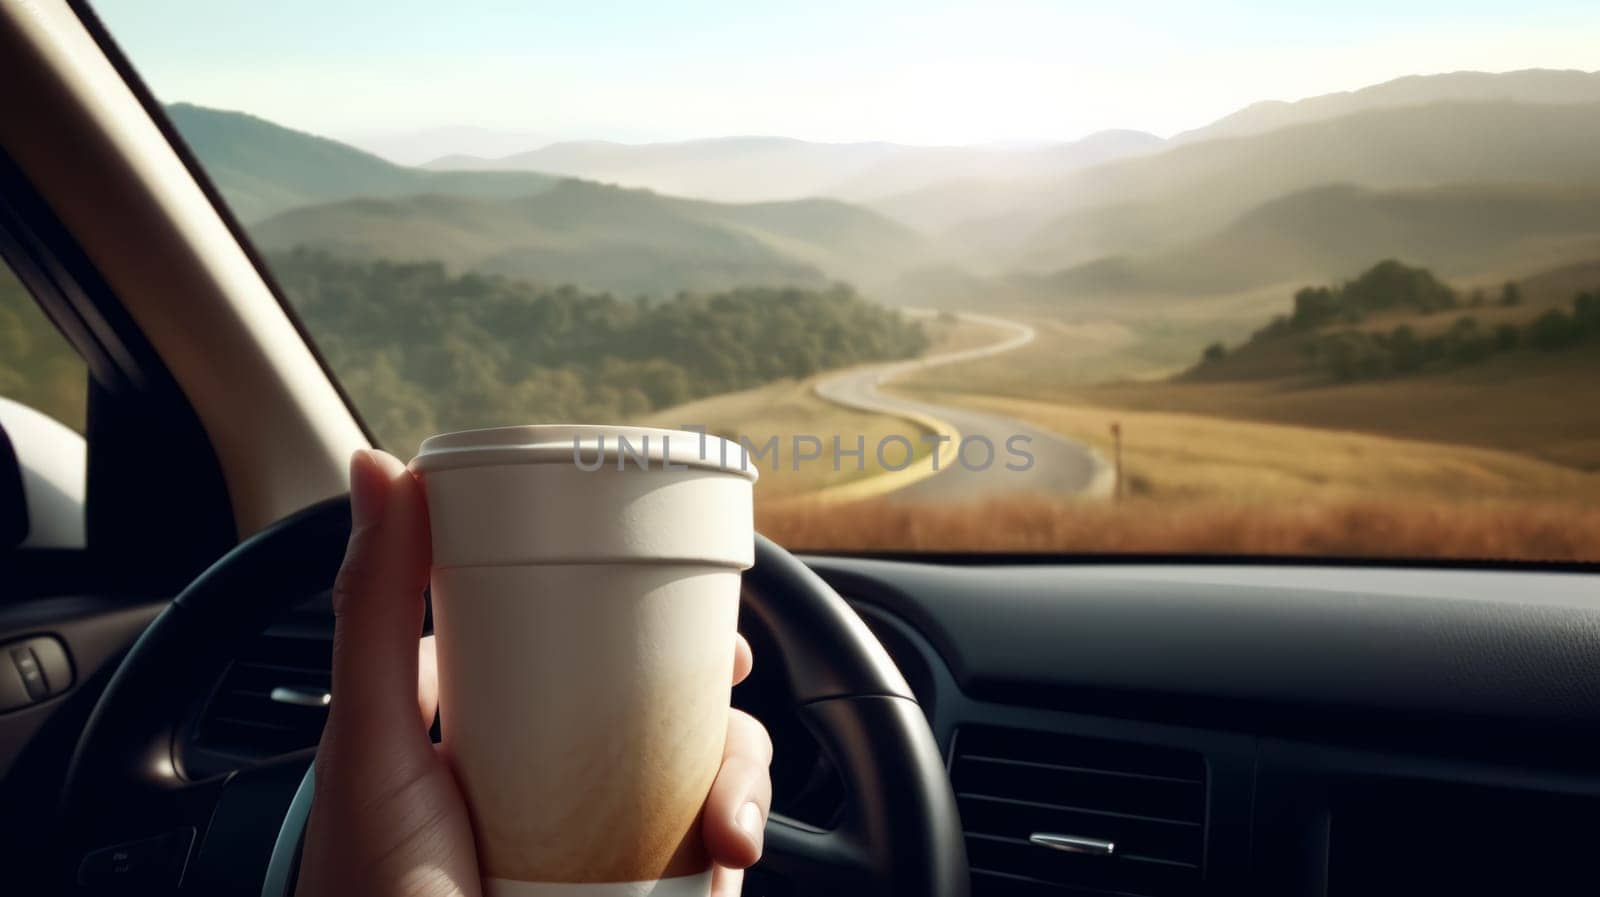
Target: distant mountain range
x=749, y=169
x=293, y=189
x=936, y=189
x=607, y=238
x=988, y=216
x=1185, y=192
x=1467, y=173
x=1529, y=86
x=263, y=168
x=416, y=146
x=1462, y=232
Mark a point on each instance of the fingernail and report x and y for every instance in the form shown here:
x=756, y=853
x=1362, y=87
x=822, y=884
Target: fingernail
x=749, y=819
x=366, y=494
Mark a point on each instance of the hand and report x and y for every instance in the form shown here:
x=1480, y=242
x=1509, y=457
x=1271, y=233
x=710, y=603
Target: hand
x=387, y=816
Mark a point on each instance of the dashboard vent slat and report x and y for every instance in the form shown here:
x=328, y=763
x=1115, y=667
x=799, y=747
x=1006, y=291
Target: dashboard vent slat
x=1150, y=801
x=243, y=721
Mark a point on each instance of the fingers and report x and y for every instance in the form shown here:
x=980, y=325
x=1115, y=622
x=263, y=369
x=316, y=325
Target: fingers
x=736, y=809
x=377, y=601
x=743, y=660
x=427, y=681
x=726, y=882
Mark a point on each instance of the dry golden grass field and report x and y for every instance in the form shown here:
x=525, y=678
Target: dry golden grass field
x=785, y=409
x=1367, y=528
x=947, y=335
x=1184, y=456
x=1499, y=460
x=1543, y=406
x=789, y=408
x=1070, y=351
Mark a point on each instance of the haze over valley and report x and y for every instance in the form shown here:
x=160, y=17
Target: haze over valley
x=1474, y=175
x=1408, y=271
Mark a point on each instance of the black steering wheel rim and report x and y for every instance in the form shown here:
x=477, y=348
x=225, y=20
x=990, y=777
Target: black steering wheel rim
x=898, y=833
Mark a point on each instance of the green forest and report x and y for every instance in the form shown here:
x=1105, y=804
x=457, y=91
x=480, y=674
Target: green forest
x=1350, y=353
x=422, y=350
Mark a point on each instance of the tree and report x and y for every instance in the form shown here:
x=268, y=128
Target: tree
x=1554, y=329
x=1406, y=352
x=1393, y=284
x=1506, y=337
x=1586, y=312
x=1466, y=343
x=1213, y=354
x=421, y=350
x=1510, y=294
x=1314, y=306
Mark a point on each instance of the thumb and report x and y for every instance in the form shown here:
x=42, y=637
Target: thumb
x=377, y=603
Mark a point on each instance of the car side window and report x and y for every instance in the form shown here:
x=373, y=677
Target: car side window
x=43, y=409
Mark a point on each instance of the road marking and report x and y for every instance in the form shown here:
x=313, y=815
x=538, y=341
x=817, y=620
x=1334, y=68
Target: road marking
x=947, y=447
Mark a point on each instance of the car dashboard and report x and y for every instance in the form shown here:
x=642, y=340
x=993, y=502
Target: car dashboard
x=1167, y=730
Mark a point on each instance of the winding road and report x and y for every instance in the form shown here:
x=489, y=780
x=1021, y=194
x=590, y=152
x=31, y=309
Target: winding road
x=959, y=472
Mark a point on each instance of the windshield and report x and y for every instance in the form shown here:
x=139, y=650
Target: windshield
x=1163, y=278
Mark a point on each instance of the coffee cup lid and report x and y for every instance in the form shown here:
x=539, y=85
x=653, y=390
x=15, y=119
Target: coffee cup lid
x=637, y=448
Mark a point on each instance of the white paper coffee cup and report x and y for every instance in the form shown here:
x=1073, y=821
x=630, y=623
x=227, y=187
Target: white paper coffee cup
x=585, y=596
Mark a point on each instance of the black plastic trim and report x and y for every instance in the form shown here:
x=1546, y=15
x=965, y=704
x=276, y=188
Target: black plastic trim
x=1469, y=663
x=152, y=107
x=141, y=534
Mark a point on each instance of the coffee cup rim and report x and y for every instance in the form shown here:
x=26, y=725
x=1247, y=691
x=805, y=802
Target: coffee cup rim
x=568, y=443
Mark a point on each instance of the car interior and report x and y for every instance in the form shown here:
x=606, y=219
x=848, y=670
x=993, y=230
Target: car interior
x=943, y=723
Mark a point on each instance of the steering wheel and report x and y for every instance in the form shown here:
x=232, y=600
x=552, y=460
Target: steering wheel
x=898, y=832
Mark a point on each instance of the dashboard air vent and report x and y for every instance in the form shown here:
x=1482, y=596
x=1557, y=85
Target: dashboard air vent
x=1049, y=814
x=273, y=699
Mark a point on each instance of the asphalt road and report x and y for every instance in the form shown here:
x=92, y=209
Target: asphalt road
x=1059, y=466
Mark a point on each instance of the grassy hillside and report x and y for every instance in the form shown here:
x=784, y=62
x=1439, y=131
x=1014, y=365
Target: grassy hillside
x=606, y=238
x=1461, y=231
x=263, y=168
x=1396, y=321
x=1544, y=406
x=1522, y=379
x=1177, y=448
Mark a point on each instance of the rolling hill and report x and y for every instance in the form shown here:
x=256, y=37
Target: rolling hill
x=1461, y=231
x=263, y=168
x=1183, y=193
x=991, y=215
x=750, y=169
x=1528, y=86
x=727, y=169
x=294, y=189
x=606, y=238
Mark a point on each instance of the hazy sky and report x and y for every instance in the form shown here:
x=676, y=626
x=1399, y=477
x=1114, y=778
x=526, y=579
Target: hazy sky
x=914, y=72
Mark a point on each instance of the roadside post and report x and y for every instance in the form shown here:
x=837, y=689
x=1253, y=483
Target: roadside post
x=1116, y=441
